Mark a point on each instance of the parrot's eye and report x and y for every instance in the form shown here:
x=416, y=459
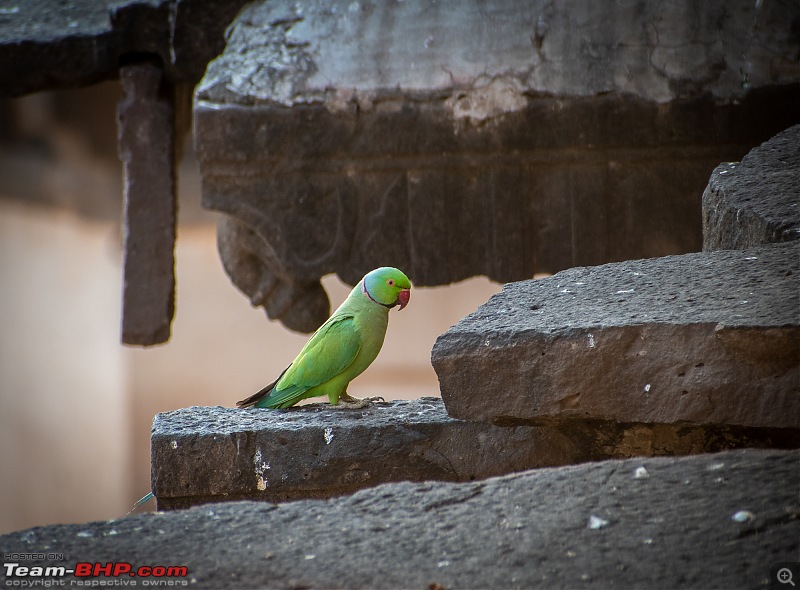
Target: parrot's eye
x=390, y=282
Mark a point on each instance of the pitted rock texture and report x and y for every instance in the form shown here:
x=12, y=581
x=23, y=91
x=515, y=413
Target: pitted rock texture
x=500, y=139
x=707, y=338
x=755, y=201
x=708, y=521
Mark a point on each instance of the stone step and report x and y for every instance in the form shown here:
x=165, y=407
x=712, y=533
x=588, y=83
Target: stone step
x=702, y=339
x=202, y=454
x=755, y=201
x=724, y=520
x=213, y=454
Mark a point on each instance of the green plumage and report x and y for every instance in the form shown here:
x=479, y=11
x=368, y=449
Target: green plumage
x=343, y=347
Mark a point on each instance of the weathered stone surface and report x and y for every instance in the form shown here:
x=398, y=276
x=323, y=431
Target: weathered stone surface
x=46, y=45
x=212, y=454
x=755, y=201
x=147, y=150
x=487, y=58
x=218, y=454
x=350, y=135
x=707, y=338
x=674, y=528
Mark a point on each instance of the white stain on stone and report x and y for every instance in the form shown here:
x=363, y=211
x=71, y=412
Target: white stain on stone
x=591, y=340
x=174, y=444
x=641, y=473
x=647, y=388
x=488, y=99
x=328, y=434
x=260, y=467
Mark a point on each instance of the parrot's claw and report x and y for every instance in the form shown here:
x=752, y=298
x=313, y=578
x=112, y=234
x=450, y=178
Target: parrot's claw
x=348, y=402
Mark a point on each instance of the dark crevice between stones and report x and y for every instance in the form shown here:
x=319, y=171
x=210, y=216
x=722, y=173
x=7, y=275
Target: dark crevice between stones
x=605, y=439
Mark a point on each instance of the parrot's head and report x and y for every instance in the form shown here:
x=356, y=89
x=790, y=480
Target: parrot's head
x=387, y=286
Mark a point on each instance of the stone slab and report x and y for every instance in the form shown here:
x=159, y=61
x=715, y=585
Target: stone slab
x=709, y=521
x=214, y=454
x=202, y=454
x=706, y=338
x=755, y=201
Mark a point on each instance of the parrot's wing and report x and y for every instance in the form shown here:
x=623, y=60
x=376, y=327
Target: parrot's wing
x=330, y=351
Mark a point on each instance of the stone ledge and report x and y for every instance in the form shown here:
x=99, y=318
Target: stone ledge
x=203, y=454
x=707, y=338
x=755, y=201
x=674, y=528
x=211, y=454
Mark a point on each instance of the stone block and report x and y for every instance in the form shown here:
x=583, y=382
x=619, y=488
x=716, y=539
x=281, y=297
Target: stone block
x=342, y=136
x=706, y=338
x=755, y=201
x=709, y=521
x=203, y=454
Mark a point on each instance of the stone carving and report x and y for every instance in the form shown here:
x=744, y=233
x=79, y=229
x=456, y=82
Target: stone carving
x=349, y=135
x=255, y=270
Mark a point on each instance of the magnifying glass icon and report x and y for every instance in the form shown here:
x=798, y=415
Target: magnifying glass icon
x=785, y=576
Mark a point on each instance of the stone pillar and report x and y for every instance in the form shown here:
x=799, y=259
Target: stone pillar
x=147, y=150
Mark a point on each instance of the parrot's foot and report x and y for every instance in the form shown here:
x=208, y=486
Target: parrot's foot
x=348, y=402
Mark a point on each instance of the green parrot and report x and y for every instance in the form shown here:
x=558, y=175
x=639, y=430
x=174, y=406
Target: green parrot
x=342, y=348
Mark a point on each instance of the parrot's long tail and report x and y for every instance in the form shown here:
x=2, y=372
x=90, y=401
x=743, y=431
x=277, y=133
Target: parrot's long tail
x=142, y=500
x=256, y=397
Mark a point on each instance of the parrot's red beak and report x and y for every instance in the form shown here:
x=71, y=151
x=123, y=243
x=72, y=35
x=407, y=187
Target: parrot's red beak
x=403, y=297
